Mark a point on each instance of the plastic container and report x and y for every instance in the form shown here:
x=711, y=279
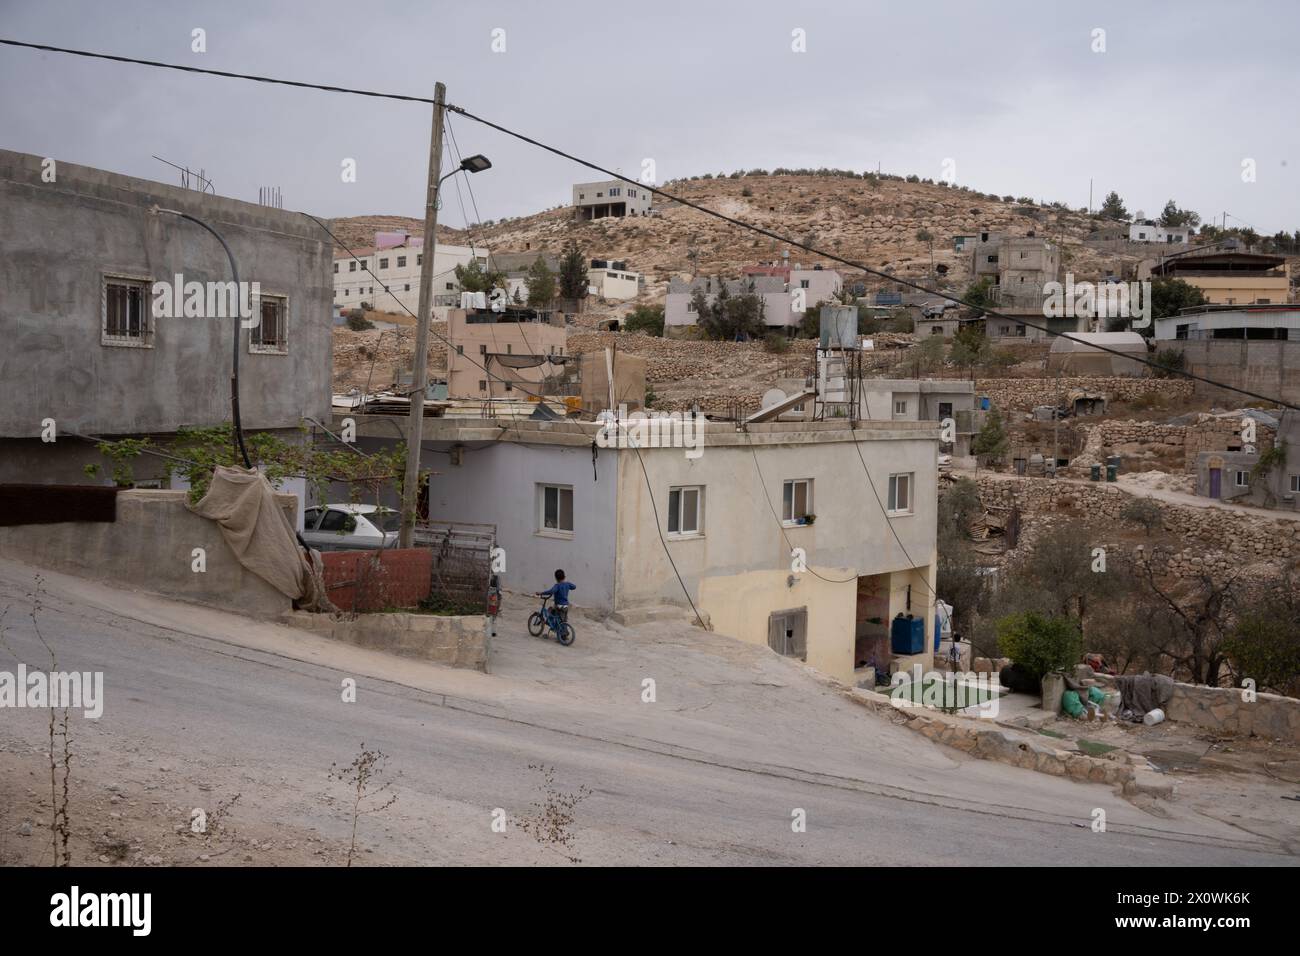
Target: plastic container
x=907, y=635
x=1153, y=717
x=1095, y=473
x=1112, y=472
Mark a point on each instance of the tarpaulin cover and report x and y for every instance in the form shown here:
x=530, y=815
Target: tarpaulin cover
x=257, y=530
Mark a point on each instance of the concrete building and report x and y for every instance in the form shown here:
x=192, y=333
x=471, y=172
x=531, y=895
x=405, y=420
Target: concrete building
x=611, y=279
x=395, y=261
x=1227, y=276
x=1148, y=230
x=1266, y=322
x=558, y=501
x=90, y=350
x=1232, y=476
x=778, y=311
x=1018, y=269
x=923, y=400
x=612, y=197
x=1075, y=355
x=518, y=347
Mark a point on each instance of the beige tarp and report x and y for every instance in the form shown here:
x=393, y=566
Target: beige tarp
x=255, y=527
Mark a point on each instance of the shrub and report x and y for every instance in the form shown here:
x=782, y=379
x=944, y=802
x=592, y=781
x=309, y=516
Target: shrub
x=1169, y=362
x=645, y=318
x=1143, y=512
x=357, y=322
x=1040, y=643
x=775, y=342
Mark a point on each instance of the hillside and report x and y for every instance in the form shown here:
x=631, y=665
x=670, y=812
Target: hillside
x=875, y=222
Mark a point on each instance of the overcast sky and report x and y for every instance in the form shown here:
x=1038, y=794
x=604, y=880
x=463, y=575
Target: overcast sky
x=1012, y=92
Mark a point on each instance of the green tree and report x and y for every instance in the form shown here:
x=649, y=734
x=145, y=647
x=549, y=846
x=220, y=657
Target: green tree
x=472, y=277
x=1112, y=207
x=1168, y=296
x=1042, y=644
x=1173, y=216
x=731, y=317
x=979, y=295
x=573, y=273
x=541, y=284
x=1169, y=362
x=992, y=442
x=970, y=346
x=645, y=318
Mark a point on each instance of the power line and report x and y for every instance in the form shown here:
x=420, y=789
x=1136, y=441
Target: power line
x=229, y=75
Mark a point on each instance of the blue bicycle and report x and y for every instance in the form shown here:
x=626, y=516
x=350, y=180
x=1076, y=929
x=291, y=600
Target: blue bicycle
x=554, y=619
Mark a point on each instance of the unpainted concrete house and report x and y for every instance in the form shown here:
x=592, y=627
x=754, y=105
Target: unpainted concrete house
x=613, y=197
x=1238, y=477
x=79, y=255
x=740, y=512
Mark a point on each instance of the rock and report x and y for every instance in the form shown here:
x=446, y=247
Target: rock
x=24, y=829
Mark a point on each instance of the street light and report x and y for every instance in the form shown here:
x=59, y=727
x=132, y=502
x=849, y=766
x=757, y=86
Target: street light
x=234, y=368
x=475, y=164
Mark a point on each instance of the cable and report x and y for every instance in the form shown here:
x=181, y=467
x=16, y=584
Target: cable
x=848, y=262
x=235, y=76
x=659, y=528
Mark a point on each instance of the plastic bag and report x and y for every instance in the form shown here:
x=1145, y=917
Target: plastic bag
x=1071, y=704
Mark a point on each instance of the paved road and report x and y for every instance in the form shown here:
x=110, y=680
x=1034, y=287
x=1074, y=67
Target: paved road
x=710, y=773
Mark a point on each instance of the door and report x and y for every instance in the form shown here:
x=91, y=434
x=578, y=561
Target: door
x=1216, y=482
x=787, y=632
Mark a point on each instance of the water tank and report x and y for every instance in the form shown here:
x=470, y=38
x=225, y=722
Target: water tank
x=907, y=635
x=839, y=326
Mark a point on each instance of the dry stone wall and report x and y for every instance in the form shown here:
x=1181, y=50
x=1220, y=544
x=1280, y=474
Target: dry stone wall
x=1022, y=394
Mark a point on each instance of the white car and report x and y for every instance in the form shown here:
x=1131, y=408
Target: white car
x=351, y=527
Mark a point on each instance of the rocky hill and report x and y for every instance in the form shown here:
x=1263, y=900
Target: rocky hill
x=886, y=224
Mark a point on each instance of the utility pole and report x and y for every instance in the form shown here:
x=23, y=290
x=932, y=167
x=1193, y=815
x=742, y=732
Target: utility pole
x=420, y=367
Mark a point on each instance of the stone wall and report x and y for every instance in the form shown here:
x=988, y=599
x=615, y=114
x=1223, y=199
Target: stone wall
x=1222, y=710
x=1240, y=537
x=1022, y=394
x=1140, y=439
x=455, y=640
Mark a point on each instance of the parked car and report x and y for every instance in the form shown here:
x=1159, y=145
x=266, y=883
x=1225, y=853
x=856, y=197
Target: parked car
x=351, y=527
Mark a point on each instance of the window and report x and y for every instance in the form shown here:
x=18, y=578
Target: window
x=126, y=312
x=787, y=632
x=460, y=350
x=336, y=520
x=1295, y=484
x=900, y=407
x=796, y=500
x=482, y=350
x=401, y=262
x=352, y=266
x=383, y=263
x=451, y=286
x=803, y=283
x=419, y=259
x=509, y=348
x=556, y=506
x=945, y=410
x=936, y=330
x=309, y=519
x=271, y=334
x=900, y=494
x=336, y=268
x=407, y=288
x=684, y=507
x=482, y=385
x=1243, y=479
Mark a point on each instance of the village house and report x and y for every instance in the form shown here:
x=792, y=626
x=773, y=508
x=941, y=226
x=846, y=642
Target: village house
x=393, y=282
x=786, y=291
x=87, y=355
x=1147, y=230
x=1226, y=276
x=611, y=279
x=506, y=354
x=1237, y=476
x=613, y=197
x=775, y=530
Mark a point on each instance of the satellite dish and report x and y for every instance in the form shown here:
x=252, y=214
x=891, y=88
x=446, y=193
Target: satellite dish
x=773, y=396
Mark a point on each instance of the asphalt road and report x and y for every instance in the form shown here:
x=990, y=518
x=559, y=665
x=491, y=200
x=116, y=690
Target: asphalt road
x=203, y=703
